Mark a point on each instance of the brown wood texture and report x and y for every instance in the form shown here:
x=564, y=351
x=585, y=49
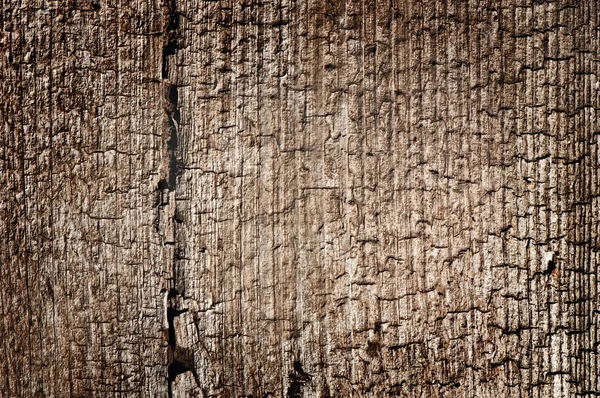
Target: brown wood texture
x=299, y=198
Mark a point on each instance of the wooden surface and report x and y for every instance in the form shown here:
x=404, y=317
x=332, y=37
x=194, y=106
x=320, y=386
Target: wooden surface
x=299, y=198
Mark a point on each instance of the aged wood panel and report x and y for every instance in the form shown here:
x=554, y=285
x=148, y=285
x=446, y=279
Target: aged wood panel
x=82, y=147
x=299, y=198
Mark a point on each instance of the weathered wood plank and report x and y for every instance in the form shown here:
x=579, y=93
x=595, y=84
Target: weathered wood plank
x=299, y=198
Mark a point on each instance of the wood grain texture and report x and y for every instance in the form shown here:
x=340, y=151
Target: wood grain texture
x=293, y=198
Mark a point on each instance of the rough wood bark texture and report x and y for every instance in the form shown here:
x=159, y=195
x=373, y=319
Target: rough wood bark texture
x=299, y=198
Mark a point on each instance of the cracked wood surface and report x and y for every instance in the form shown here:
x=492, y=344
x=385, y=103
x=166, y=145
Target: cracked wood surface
x=299, y=198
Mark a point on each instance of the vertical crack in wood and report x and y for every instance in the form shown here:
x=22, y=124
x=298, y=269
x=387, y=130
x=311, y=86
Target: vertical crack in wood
x=180, y=359
x=298, y=377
